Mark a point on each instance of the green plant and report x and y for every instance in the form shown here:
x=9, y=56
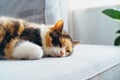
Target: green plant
x=115, y=14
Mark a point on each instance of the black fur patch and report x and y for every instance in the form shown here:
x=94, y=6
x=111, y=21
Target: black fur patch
x=2, y=57
x=16, y=28
x=32, y=35
x=55, y=39
x=5, y=41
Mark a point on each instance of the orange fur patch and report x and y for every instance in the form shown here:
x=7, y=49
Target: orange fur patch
x=8, y=26
x=10, y=48
x=59, y=25
x=48, y=40
x=21, y=28
x=2, y=33
x=67, y=43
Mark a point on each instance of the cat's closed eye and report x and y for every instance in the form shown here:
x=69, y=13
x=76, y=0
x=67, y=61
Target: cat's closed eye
x=68, y=51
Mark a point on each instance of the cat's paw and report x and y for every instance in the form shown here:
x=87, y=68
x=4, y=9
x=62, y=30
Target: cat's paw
x=27, y=50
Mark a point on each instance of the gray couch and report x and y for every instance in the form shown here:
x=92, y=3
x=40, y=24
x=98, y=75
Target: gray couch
x=88, y=62
x=32, y=10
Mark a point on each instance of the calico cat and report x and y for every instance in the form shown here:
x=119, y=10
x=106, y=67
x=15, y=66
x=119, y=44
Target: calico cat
x=20, y=39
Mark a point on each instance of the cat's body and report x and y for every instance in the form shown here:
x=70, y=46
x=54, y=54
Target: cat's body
x=20, y=39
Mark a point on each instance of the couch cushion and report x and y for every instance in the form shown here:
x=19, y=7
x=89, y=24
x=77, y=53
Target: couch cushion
x=32, y=10
x=86, y=61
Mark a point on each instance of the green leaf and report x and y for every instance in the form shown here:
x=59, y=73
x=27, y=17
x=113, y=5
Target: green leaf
x=117, y=41
x=115, y=14
x=118, y=32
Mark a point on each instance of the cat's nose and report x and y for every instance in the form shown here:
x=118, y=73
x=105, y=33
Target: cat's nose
x=61, y=53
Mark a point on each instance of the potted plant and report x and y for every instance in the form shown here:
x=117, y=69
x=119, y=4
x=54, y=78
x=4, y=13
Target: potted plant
x=115, y=14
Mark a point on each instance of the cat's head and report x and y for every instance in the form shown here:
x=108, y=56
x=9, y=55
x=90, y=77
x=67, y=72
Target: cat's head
x=57, y=42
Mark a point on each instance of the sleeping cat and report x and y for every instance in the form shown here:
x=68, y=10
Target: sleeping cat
x=20, y=39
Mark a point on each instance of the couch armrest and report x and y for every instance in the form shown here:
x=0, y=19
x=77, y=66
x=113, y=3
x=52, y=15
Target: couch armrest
x=55, y=10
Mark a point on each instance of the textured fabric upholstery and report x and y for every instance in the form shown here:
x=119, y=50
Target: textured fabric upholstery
x=32, y=10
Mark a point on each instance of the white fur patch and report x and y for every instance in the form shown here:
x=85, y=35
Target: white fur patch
x=44, y=29
x=27, y=50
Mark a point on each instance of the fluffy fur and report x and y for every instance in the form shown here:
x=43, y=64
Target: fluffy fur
x=20, y=39
x=27, y=50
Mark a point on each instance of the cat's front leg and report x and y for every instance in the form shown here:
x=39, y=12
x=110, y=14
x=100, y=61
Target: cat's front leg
x=27, y=50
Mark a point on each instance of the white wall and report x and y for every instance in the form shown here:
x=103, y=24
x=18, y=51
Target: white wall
x=89, y=25
x=93, y=27
x=88, y=3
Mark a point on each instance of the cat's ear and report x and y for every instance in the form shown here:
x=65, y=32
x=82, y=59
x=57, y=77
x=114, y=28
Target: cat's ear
x=76, y=43
x=59, y=25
